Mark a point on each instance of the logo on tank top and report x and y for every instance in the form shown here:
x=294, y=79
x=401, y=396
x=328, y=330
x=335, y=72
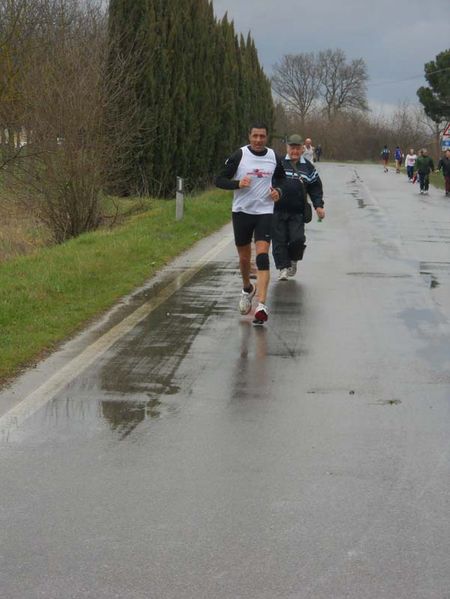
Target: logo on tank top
x=256, y=172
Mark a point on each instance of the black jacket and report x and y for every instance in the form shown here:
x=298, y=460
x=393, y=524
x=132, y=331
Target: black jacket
x=444, y=165
x=301, y=178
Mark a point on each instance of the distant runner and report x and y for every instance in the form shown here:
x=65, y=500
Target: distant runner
x=398, y=157
x=318, y=152
x=385, y=153
x=255, y=173
x=410, y=161
x=424, y=166
x=444, y=166
x=308, y=151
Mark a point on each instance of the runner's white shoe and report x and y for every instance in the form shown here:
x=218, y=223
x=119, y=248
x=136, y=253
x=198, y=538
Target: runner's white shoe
x=245, y=303
x=261, y=315
x=283, y=276
x=292, y=270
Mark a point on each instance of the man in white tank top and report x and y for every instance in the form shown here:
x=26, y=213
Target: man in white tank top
x=253, y=172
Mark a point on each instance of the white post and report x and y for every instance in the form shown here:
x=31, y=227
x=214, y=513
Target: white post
x=179, y=199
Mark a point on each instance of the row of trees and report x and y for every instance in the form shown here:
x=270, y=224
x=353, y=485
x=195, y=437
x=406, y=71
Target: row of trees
x=358, y=135
x=198, y=85
x=122, y=99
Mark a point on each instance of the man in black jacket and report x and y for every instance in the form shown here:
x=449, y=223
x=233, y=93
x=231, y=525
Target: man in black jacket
x=424, y=166
x=444, y=165
x=288, y=224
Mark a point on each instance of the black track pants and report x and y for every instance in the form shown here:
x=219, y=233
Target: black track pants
x=424, y=181
x=288, y=238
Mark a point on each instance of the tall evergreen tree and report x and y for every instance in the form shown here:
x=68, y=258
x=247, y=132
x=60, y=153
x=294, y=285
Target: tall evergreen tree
x=200, y=98
x=436, y=98
x=261, y=99
x=228, y=84
x=131, y=53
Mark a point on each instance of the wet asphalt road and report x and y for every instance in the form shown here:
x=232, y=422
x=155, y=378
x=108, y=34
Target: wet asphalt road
x=199, y=457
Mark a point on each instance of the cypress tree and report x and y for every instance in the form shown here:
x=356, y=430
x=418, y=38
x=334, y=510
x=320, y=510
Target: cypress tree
x=163, y=105
x=193, y=93
x=204, y=93
x=261, y=94
x=228, y=83
x=245, y=91
x=130, y=33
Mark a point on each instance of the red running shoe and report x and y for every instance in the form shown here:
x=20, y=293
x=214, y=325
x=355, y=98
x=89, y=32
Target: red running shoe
x=261, y=315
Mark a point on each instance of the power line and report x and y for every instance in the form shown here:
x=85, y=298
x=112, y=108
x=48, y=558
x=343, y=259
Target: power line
x=391, y=81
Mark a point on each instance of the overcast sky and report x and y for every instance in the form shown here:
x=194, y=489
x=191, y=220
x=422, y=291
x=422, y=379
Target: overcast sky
x=395, y=38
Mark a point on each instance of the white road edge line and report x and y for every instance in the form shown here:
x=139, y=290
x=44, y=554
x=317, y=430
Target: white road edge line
x=43, y=394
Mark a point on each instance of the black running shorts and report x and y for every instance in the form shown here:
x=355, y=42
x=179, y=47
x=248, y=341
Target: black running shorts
x=246, y=226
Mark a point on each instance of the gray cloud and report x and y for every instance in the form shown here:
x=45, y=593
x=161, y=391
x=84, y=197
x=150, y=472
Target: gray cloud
x=395, y=38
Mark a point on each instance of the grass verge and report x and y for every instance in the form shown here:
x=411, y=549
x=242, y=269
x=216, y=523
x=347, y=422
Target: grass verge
x=49, y=295
x=437, y=180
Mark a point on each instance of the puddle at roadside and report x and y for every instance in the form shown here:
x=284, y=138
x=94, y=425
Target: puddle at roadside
x=136, y=380
x=123, y=416
x=146, y=363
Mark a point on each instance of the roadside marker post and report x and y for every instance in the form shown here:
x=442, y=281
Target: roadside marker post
x=179, y=201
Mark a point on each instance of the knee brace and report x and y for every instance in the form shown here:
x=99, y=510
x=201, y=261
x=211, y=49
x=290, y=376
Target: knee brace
x=262, y=261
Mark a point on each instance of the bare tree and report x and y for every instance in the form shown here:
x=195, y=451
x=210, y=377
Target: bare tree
x=18, y=22
x=404, y=128
x=66, y=88
x=343, y=85
x=430, y=129
x=296, y=81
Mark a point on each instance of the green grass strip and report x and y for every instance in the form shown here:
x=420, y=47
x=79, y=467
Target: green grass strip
x=47, y=296
x=437, y=180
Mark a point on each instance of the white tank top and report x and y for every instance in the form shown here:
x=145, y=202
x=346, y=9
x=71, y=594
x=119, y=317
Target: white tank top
x=256, y=198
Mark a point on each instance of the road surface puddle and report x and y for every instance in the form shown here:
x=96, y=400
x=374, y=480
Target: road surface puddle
x=139, y=379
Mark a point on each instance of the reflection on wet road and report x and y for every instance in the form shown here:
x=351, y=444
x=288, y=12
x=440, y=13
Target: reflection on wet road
x=199, y=456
